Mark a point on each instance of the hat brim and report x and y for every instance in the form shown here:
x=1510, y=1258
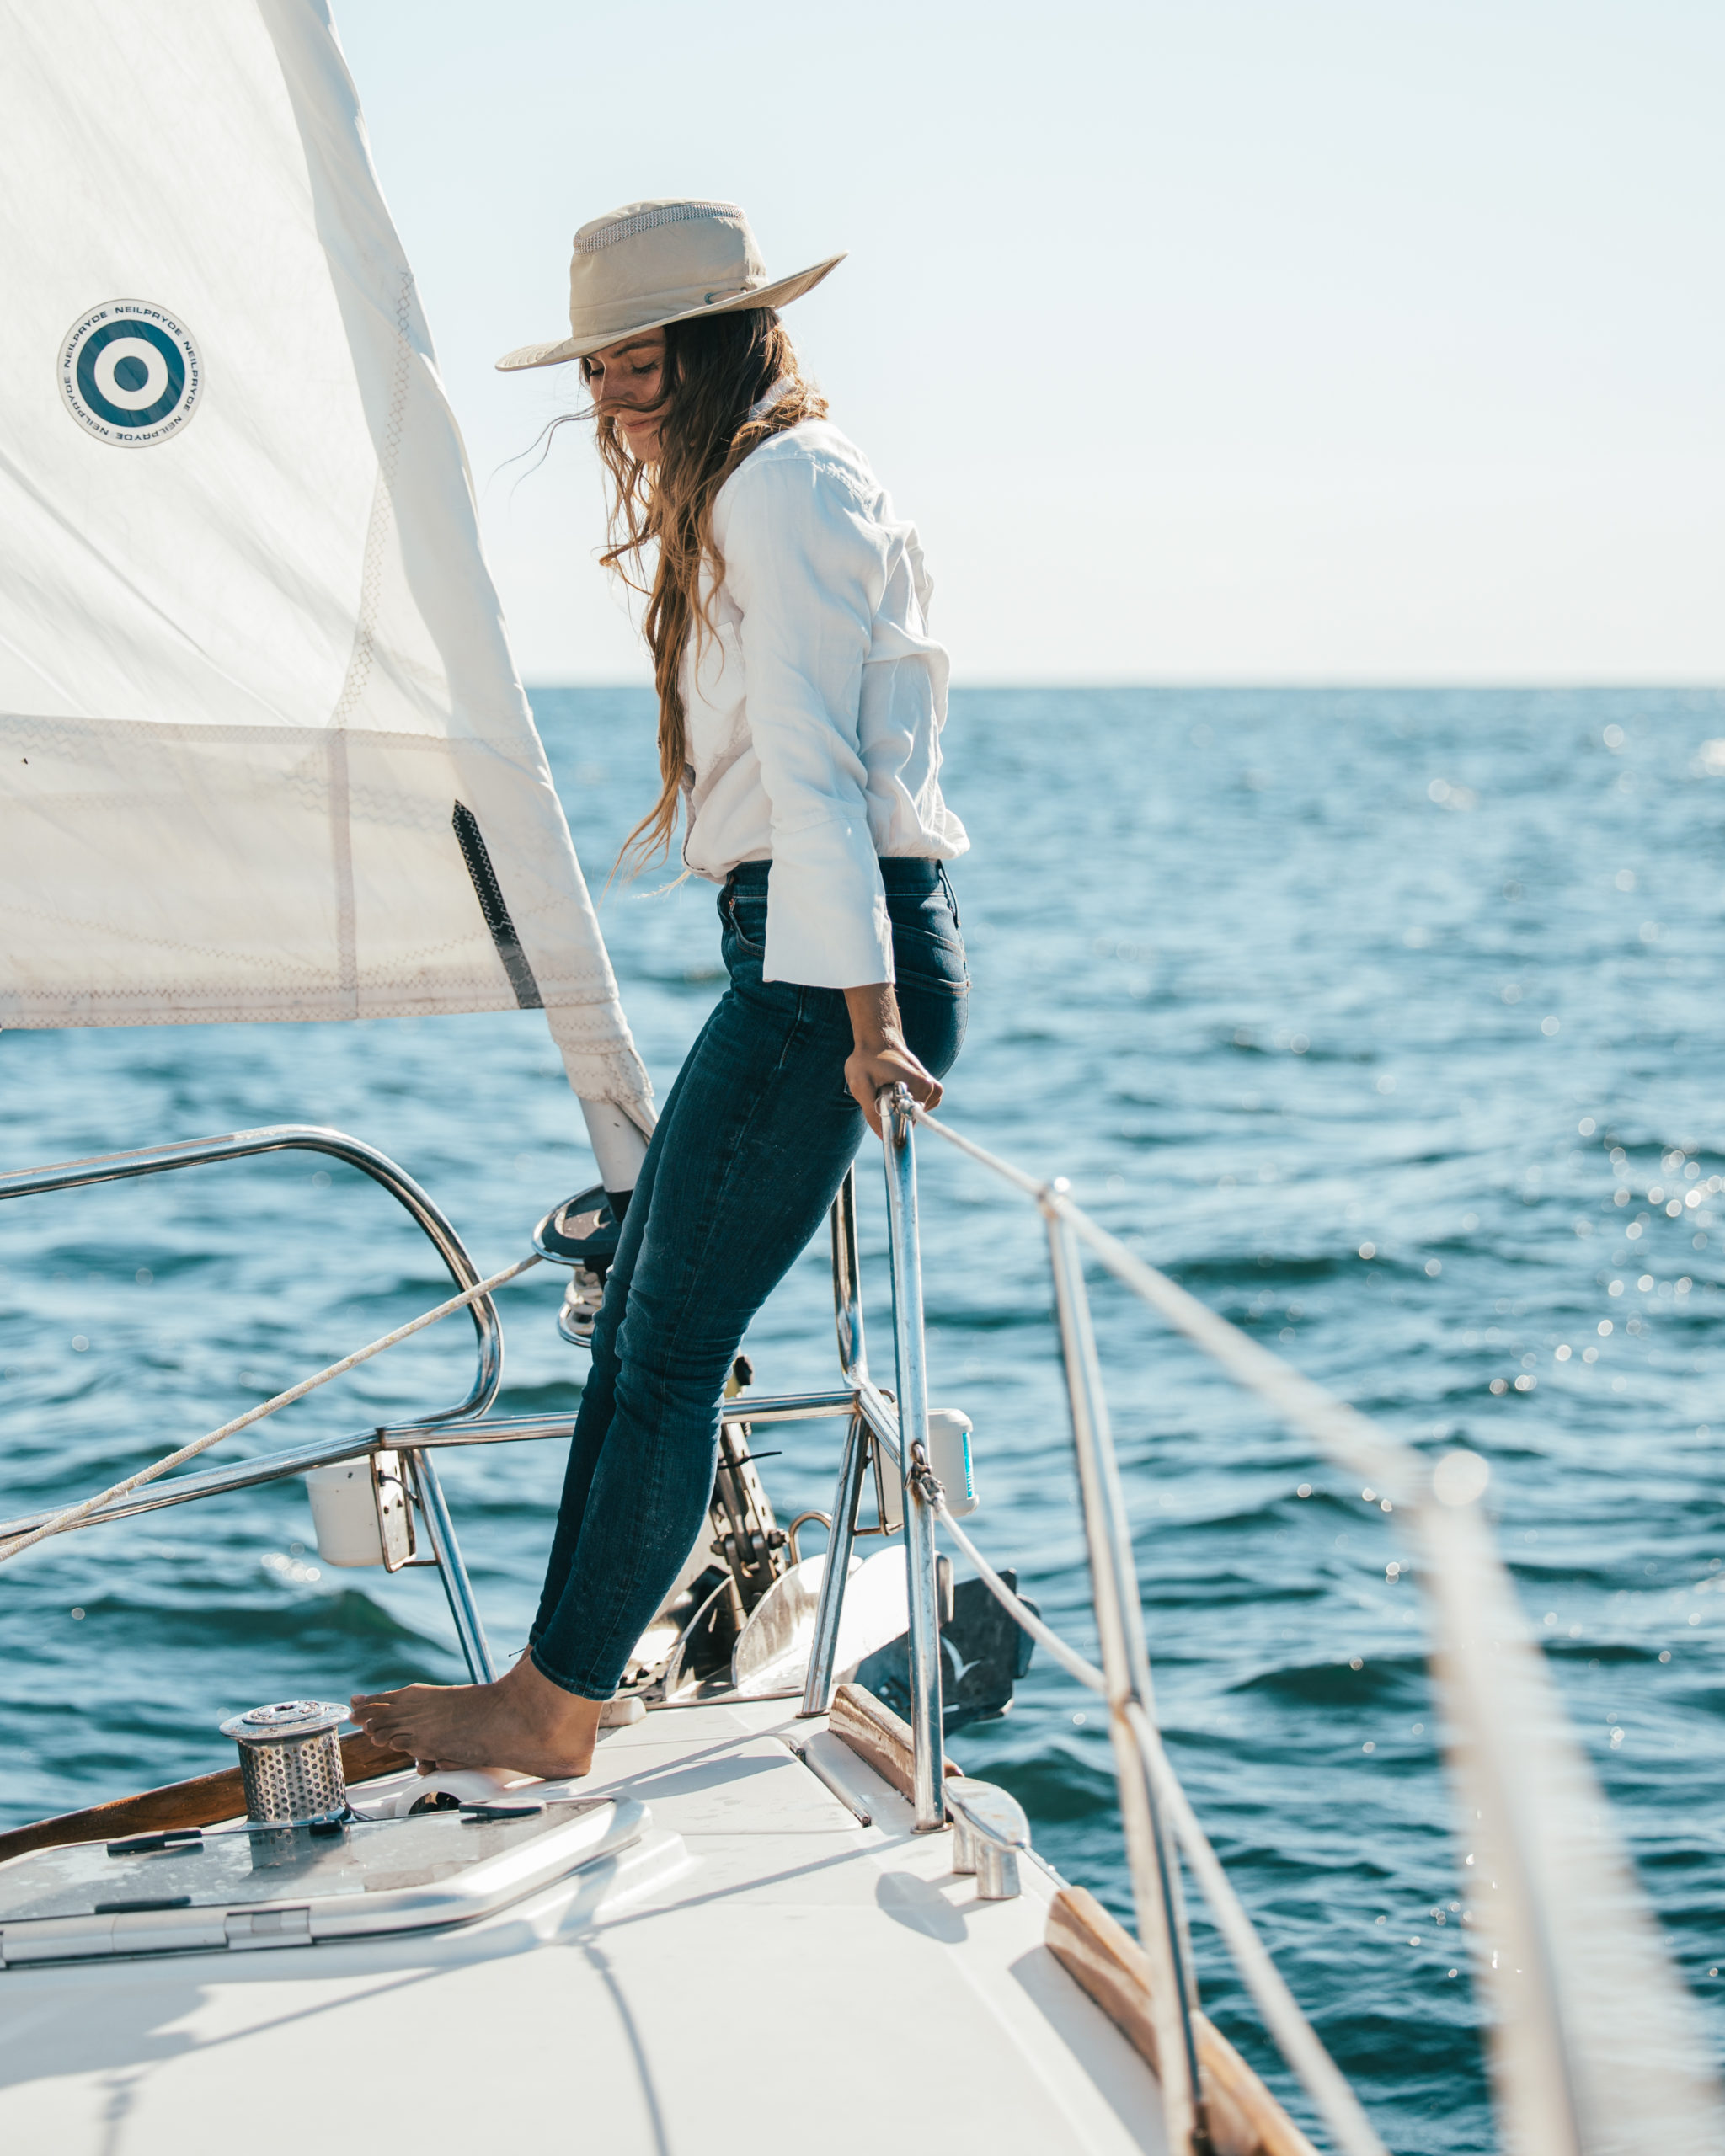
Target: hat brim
x=780, y=294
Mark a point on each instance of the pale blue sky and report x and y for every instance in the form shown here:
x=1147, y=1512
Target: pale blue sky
x=1274, y=340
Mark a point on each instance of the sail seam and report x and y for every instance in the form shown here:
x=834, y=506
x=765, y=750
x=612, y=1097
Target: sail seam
x=360, y=659
x=359, y=670
x=347, y=949
x=489, y=893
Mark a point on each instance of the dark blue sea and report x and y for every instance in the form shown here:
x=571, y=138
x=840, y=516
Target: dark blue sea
x=1389, y=1023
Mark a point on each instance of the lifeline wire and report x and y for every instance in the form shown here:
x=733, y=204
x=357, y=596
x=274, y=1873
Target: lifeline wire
x=74, y=1514
x=1342, y=1431
x=1585, y=2037
x=1295, y=2037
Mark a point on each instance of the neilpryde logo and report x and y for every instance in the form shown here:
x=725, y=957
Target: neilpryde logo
x=130, y=373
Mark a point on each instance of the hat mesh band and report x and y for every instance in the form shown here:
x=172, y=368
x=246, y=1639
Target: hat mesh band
x=673, y=213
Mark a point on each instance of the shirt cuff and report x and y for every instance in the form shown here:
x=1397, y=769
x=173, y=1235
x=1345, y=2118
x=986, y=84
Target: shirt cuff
x=827, y=923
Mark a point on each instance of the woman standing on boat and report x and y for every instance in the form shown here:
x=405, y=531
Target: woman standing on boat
x=800, y=703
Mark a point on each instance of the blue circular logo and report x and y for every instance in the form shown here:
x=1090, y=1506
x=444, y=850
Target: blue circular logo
x=130, y=373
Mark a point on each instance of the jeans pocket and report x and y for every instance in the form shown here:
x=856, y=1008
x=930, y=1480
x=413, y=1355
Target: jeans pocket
x=737, y=908
x=928, y=949
x=932, y=964
x=952, y=898
x=934, y=1015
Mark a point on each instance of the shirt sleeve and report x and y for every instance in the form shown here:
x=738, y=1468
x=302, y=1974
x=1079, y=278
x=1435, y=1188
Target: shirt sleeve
x=806, y=563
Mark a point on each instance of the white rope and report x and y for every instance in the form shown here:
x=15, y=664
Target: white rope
x=1295, y=2037
x=1605, y=2027
x=1342, y=1431
x=1069, y=1658
x=75, y=1513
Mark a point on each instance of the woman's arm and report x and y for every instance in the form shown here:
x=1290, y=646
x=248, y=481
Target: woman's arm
x=806, y=565
x=880, y=1056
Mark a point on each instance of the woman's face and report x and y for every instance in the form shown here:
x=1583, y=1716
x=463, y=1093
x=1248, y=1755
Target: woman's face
x=627, y=383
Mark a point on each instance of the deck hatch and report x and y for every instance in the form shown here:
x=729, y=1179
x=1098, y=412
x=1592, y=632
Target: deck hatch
x=257, y=1886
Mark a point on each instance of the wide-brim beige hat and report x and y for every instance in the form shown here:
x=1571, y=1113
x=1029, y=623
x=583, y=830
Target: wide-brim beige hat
x=651, y=263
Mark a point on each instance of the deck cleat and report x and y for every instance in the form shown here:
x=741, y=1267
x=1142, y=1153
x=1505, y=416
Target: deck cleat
x=991, y=1829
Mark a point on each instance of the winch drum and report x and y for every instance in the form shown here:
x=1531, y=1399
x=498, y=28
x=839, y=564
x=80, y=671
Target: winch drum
x=290, y=1765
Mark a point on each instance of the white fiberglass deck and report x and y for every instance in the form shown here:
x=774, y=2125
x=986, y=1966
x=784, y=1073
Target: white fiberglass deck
x=759, y=1967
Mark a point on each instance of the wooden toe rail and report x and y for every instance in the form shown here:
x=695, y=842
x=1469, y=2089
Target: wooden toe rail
x=201, y=1802
x=1244, y=2120
x=875, y=1733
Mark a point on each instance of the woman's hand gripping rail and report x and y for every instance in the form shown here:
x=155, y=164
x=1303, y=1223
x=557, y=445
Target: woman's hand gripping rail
x=880, y=1059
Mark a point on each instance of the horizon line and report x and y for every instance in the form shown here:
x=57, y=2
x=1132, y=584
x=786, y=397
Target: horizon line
x=1532, y=684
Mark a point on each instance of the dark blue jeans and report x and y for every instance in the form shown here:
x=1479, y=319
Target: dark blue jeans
x=748, y=1156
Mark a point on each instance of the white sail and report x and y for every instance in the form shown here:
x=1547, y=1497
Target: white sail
x=264, y=750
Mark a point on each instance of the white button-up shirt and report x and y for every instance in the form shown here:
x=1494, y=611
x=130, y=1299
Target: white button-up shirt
x=815, y=713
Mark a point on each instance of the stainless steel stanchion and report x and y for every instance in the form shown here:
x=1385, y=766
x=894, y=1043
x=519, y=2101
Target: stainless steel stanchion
x=1125, y=1661
x=898, y=1123
x=853, y=1363
x=848, y=1282
x=457, y=1585
x=817, y=1686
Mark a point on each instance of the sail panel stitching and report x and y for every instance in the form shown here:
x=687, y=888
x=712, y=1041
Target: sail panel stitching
x=358, y=665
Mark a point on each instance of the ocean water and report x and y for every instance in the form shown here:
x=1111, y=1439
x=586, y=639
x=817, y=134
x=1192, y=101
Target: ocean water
x=1388, y=1023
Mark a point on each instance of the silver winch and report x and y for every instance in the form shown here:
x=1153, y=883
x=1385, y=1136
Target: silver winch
x=290, y=1759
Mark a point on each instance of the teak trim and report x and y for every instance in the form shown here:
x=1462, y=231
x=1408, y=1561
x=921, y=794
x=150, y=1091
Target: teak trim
x=875, y=1733
x=1105, y=1960
x=201, y=1802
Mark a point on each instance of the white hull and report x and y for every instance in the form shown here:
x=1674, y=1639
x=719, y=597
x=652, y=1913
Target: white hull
x=759, y=1963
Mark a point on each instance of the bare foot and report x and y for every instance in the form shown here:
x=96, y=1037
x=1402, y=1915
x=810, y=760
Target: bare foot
x=523, y=1722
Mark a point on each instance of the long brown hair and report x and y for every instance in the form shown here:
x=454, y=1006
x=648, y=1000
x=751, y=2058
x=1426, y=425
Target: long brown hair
x=716, y=368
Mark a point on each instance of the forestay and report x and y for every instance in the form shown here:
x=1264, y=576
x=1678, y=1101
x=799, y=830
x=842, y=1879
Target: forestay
x=264, y=751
